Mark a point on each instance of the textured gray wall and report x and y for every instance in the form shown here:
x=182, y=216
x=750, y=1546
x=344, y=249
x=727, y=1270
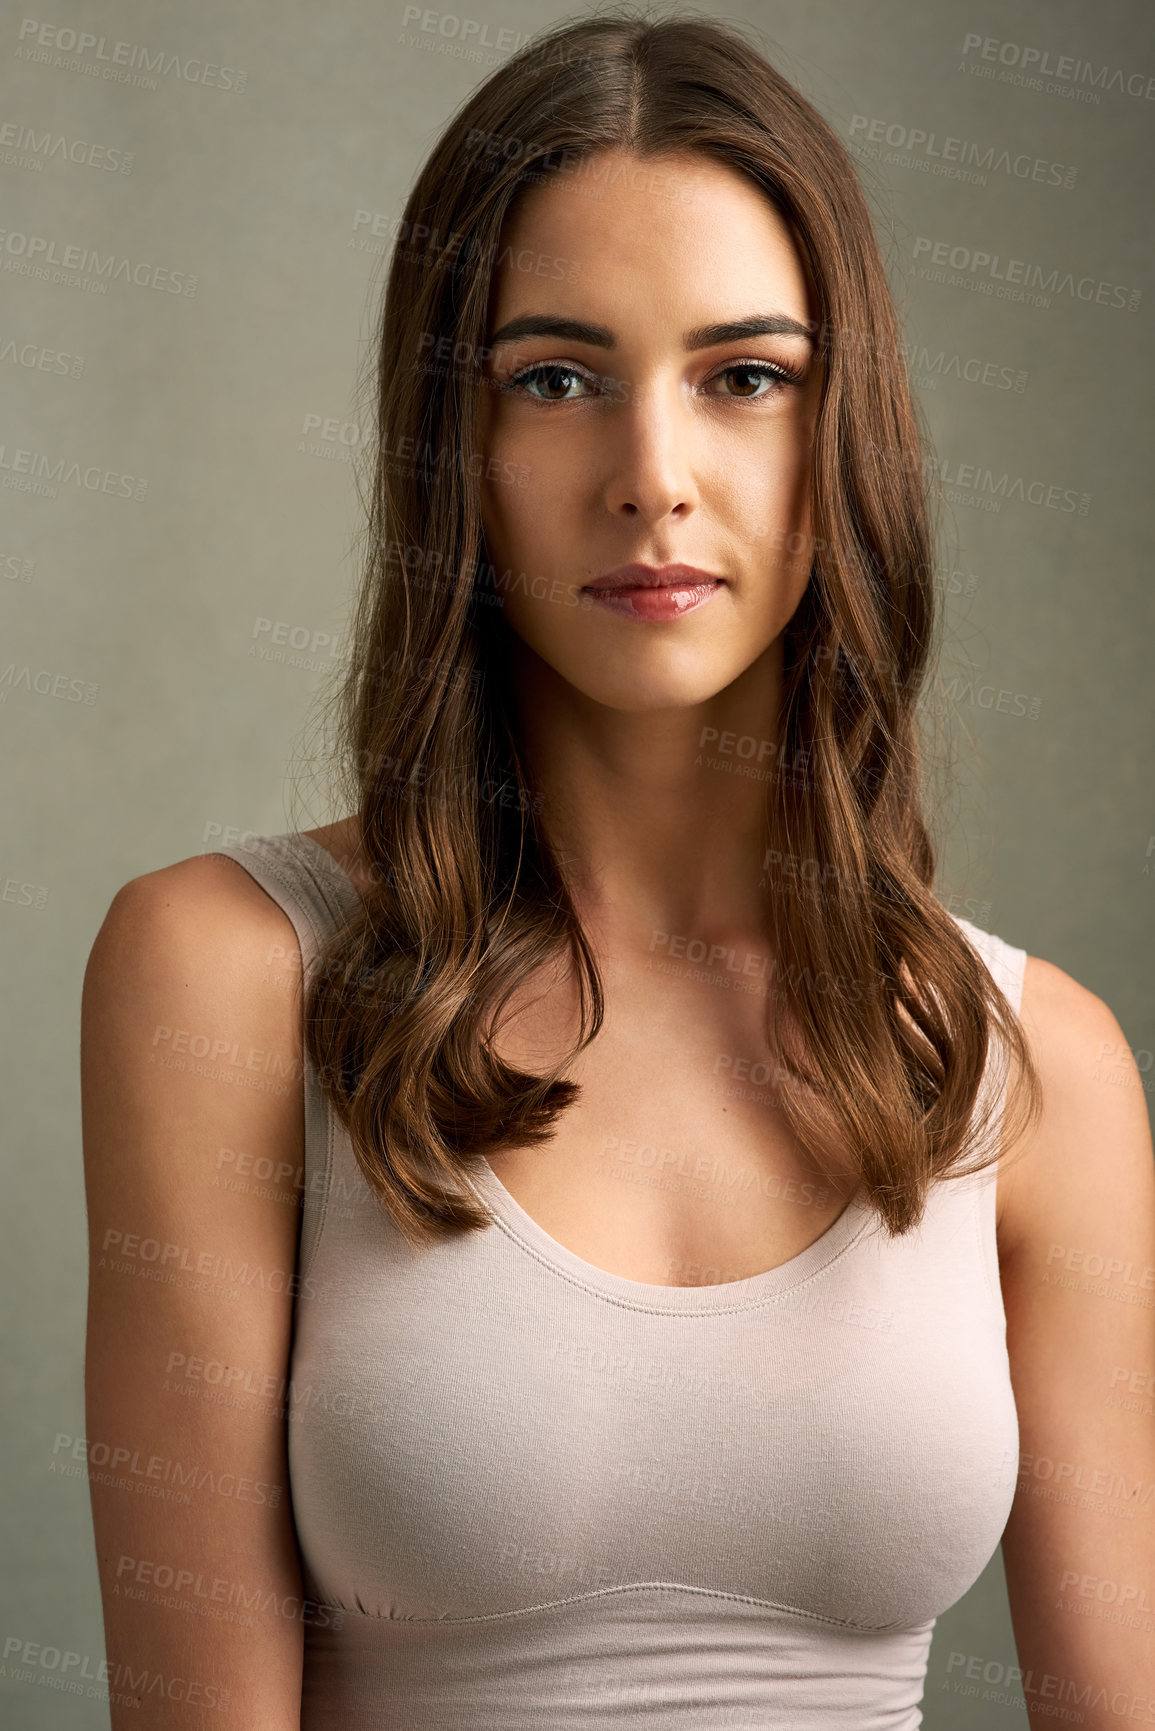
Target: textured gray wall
x=177, y=497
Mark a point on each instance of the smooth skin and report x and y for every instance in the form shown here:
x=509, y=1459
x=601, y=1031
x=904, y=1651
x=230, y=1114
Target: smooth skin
x=675, y=459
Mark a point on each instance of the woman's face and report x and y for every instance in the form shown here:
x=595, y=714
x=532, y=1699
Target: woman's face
x=635, y=431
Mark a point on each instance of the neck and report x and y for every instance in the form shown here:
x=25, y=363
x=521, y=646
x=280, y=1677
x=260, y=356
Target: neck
x=658, y=816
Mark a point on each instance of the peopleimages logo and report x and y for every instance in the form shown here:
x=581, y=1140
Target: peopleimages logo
x=124, y=62
x=99, y=1679
x=33, y=254
x=943, y=153
x=33, y=146
x=991, y=267
x=1040, y=63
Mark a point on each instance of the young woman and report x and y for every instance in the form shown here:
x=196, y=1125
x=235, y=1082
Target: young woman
x=555, y=1257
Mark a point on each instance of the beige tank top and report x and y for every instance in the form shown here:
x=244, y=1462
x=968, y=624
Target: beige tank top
x=531, y=1495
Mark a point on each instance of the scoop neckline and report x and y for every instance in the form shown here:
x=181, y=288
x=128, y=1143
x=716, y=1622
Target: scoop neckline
x=729, y=1295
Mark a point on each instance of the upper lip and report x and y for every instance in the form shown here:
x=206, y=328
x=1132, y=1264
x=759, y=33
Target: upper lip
x=653, y=577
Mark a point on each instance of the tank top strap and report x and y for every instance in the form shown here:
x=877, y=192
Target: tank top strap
x=304, y=880
x=1006, y=963
x=309, y=886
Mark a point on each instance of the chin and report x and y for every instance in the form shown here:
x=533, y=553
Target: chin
x=638, y=688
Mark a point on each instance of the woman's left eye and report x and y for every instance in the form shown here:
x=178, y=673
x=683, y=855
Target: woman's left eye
x=779, y=377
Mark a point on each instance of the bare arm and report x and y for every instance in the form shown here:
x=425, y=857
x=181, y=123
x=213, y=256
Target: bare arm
x=1077, y=1251
x=190, y=1056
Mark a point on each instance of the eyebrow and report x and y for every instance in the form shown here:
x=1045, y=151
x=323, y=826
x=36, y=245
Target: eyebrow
x=601, y=337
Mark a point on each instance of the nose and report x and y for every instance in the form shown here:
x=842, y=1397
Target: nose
x=650, y=457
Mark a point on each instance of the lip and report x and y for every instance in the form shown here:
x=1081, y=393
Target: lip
x=655, y=592
x=652, y=577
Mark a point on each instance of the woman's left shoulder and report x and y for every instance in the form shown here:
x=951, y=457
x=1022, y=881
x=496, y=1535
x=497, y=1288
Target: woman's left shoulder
x=1062, y=1017
x=1086, y=1164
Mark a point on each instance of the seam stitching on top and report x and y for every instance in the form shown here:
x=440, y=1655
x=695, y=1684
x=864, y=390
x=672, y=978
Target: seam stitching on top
x=637, y=1587
x=664, y=1310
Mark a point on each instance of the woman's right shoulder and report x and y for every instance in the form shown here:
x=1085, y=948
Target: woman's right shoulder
x=202, y=927
x=206, y=897
x=191, y=996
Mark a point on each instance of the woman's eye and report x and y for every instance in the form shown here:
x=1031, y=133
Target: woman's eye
x=556, y=378
x=756, y=380
x=747, y=371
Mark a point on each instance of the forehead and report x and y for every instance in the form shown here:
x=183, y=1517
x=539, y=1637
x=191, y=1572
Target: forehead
x=646, y=231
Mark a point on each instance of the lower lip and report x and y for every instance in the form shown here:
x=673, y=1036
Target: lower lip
x=656, y=603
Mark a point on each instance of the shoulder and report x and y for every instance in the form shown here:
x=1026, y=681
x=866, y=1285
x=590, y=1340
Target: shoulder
x=1065, y=1022
x=1074, y=1037
x=190, y=1051
x=1087, y=1159
x=196, y=941
x=208, y=897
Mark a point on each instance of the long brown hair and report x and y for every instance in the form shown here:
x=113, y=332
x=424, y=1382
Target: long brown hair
x=468, y=898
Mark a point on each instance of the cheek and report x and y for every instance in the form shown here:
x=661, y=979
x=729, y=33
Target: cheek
x=767, y=500
x=523, y=513
x=506, y=521
x=528, y=593
x=498, y=502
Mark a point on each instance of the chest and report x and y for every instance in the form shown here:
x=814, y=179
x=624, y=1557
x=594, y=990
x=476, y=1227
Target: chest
x=838, y=1437
x=676, y=1165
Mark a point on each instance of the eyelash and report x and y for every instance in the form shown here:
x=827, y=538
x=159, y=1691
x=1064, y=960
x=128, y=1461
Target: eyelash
x=782, y=375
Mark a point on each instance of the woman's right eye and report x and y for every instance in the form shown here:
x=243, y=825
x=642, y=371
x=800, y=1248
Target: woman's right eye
x=552, y=372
